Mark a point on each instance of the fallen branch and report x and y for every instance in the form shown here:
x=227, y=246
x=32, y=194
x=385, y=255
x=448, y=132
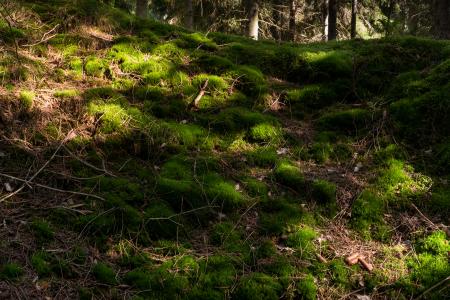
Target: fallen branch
x=88, y=164
x=433, y=287
x=425, y=218
x=27, y=182
x=194, y=104
x=45, y=37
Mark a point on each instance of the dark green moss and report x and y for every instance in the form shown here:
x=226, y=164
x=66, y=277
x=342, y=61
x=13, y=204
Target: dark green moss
x=258, y=286
x=324, y=192
x=11, y=271
x=104, y=273
x=43, y=231
x=306, y=288
x=289, y=175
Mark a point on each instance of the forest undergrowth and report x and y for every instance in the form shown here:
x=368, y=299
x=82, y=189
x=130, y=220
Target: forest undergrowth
x=140, y=160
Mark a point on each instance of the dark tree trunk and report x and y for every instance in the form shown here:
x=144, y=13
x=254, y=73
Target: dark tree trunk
x=441, y=10
x=332, y=19
x=142, y=8
x=292, y=20
x=389, y=16
x=253, y=19
x=189, y=17
x=277, y=16
x=354, y=16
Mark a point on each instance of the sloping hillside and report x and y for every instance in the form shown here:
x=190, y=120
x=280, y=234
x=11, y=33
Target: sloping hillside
x=139, y=160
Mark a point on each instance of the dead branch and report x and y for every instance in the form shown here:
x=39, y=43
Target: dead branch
x=45, y=37
x=194, y=104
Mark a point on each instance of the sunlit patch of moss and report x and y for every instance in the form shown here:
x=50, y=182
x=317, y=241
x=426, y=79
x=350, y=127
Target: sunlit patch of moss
x=66, y=94
x=307, y=288
x=399, y=180
x=10, y=271
x=26, y=99
x=222, y=192
x=391, y=151
x=302, y=240
x=215, y=83
x=236, y=118
x=104, y=273
x=170, y=51
x=196, y=41
x=436, y=243
x=367, y=213
x=266, y=133
x=95, y=66
x=289, y=175
x=263, y=156
x=440, y=201
x=258, y=286
x=76, y=66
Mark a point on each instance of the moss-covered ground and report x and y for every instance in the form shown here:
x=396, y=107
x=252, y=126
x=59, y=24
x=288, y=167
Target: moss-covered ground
x=116, y=185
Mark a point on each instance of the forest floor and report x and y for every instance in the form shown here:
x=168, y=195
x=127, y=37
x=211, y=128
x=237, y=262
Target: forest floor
x=139, y=160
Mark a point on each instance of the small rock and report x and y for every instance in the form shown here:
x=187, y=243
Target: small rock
x=8, y=187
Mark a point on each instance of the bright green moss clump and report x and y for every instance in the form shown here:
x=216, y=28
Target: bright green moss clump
x=290, y=175
x=367, y=213
x=306, y=288
x=302, y=240
x=95, y=66
x=222, y=192
x=65, y=94
x=266, y=133
x=27, y=99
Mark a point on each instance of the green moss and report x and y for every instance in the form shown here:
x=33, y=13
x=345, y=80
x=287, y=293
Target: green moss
x=218, y=272
x=263, y=157
x=10, y=271
x=266, y=133
x=324, y=192
x=258, y=286
x=250, y=80
x=42, y=230
x=302, y=241
x=340, y=273
x=289, y=175
x=41, y=262
x=266, y=249
x=440, y=201
x=349, y=121
x=255, y=188
x=436, y=243
x=76, y=66
x=196, y=41
x=391, y=151
x=95, y=66
x=367, y=213
x=307, y=288
x=222, y=192
x=426, y=270
x=26, y=99
x=157, y=222
x=104, y=273
x=313, y=96
x=215, y=83
x=236, y=118
x=321, y=152
x=213, y=63
x=66, y=94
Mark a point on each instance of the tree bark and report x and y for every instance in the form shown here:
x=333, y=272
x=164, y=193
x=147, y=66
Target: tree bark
x=277, y=18
x=253, y=19
x=332, y=19
x=292, y=20
x=189, y=17
x=441, y=10
x=326, y=21
x=142, y=8
x=354, y=16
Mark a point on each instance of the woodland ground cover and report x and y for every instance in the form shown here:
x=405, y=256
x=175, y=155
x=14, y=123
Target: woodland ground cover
x=293, y=158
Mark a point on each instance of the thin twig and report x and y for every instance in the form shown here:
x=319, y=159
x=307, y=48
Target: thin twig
x=44, y=38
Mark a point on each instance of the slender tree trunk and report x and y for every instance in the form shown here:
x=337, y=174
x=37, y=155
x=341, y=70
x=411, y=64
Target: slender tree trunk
x=332, y=19
x=325, y=22
x=189, y=17
x=142, y=8
x=441, y=10
x=292, y=20
x=390, y=11
x=277, y=18
x=253, y=19
x=354, y=16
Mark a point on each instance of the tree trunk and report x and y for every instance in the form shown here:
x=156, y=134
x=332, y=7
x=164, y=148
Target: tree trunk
x=277, y=18
x=441, y=10
x=354, y=15
x=189, y=17
x=292, y=20
x=325, y=22
x=253, y=19
x=332, y=19
x=142, y=8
